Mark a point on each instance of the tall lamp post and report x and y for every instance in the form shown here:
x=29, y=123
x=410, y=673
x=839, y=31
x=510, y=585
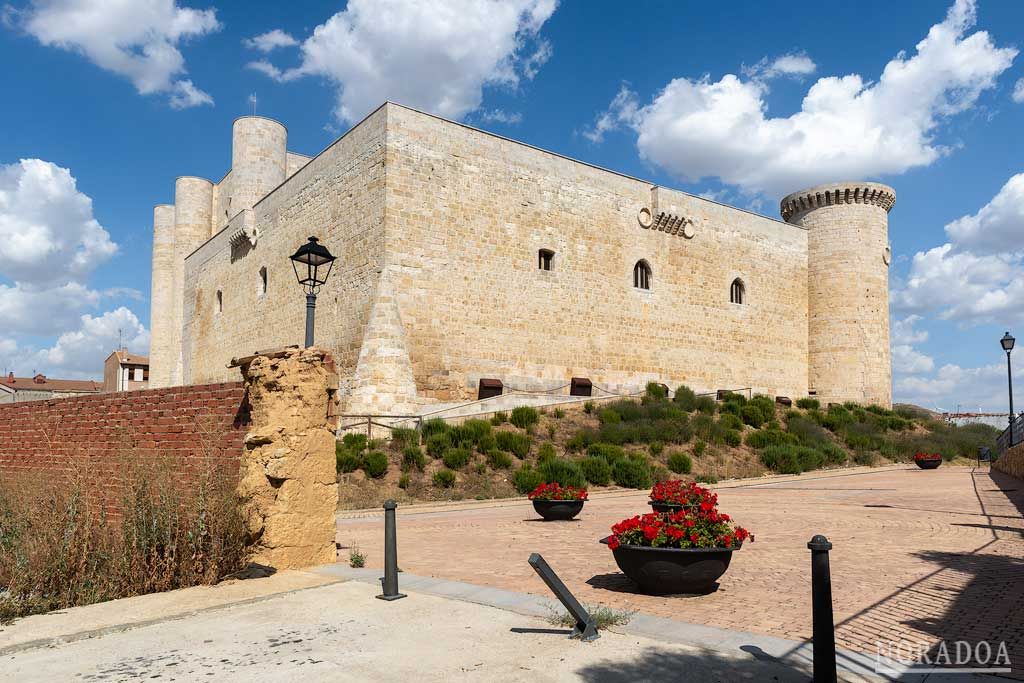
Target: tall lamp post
x=312, y=263
x=1007, y=343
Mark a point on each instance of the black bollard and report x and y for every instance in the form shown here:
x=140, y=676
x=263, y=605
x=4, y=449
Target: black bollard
x=824, y=638
x=389, y=582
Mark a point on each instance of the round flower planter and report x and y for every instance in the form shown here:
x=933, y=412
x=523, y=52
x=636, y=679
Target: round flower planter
x=929, y=464
x=667, y=571
x=659, y=506
x=558, y=510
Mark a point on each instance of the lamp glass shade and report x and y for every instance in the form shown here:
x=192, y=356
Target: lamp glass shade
x=1007, y=342
x=312, y=263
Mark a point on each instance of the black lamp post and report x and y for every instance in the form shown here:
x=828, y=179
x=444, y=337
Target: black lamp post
x=312, y=263
x=1007, y=343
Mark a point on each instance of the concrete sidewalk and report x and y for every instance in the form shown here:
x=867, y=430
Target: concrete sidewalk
x=336, y=630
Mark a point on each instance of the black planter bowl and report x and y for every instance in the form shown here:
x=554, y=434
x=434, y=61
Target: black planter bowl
x=669, y=571
x=558, y=510
x=929, y=464
x=658, y=506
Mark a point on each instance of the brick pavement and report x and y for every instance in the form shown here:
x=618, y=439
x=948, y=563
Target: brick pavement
x=918, y=555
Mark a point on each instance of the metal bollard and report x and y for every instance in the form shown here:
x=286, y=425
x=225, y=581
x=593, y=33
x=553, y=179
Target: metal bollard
x=824, y=638
x=586, y=627
x=389, y=582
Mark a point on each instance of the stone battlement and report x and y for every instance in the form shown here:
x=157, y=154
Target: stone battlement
x=832, y=194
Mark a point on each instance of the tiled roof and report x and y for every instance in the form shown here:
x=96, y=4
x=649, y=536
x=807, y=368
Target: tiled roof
x=44, y=383
x=132, y=358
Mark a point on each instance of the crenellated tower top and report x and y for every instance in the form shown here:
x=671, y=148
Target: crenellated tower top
x=831, y=194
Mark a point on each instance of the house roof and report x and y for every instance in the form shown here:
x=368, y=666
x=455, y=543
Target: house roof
x=129, y=358
x=43, y=383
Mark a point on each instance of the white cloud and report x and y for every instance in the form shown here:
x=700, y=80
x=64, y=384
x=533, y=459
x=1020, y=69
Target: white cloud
x=30, y=310
x=81, y=352
x=47, y=230
x=1018, y=91
x=904, y=331
x=981, y=389
x=269, y=41
x=137, y=39
x=436, y=56
x=794, y=64
x=847, y=127
x=501, y=116
x=998, y=226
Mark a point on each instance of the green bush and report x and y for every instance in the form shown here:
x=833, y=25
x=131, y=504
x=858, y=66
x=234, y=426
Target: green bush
x=588, y=407
x=558, y=413
x=730, y=421
x=659, y=474
x=632, y=473
x=706, y=479
x=456, y=458
x=546, y=451
x=355, y=443
x=499, y=418
x=864, y=458
x=444, y=479
x=596, y=470
x=655, y=392
x=403, y=436
x=375, y=464
x=655, y=448
x=769, y=437
x=734, y=407
x=475, y=430
x=565, y=472
x=346, y=461
x=706, y=429
x=608, y=416
x=513, y=442
x=699, y=448
x=863, y=436
x=582, y=440
x=809, y=458
x=781, y=459
x=609, y=452
x=766, y=404
x=403, y=481
x=833, y=453
x=499, y=460
x=685, y=398
x=526, y=479
x=438, y=443
x=806, y=432
x=435, y=426
x=486, y=443
x=680, y=463
x=808, y=403
x=733, y=397
x=706, y=405
x=752, y=415
x=524, y=417
x=733, y=438
x=412, y=458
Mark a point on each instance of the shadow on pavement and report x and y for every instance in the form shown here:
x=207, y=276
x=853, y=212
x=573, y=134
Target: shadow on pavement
x=664, y=664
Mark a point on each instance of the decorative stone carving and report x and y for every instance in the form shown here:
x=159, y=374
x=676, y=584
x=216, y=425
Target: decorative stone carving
x=645, y=218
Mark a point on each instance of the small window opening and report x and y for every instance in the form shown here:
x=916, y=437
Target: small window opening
x=642, y=275
x=263, y=280
x=544, y=258
x=220, y=301
x=737, y=291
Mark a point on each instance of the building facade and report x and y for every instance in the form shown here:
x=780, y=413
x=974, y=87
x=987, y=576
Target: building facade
x=123, y=371
x=464, y=256
x=40, y=387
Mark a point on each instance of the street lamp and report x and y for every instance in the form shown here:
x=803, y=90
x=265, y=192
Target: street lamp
x=1007, y=343
x=312, y=263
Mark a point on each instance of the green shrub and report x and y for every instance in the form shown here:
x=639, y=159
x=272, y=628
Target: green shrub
x=403, y=436
x=558, y=413
x=706, y=405
x=863, y=436
x=596, y=470
x=609, y=452
x=733, y=438
x=706, y=429
x=734, y=407
x=588, y=407
x=809, y=458
x=444, y=479
x=766, y=404
x=680, y=463
x=808, y=403
x=685, y=398
x=581, y=440
x=833, y=453
x=524, y=417
x=699, y=448
x=456, y=458
x=346, y=461
x=403, y=481
x=609, y=416
x=781, y=459
x=655, y=392
x=655, y=448
x=475, y=430
x=526, y=479
x=733, y=397
x=752, y=415
x=792, y=414
x=435, y=426
x=486, y=443
x=769, y=437
x=806, y=432
x=499, y=460
x=412, y=458
x=730, y=421
x=864, y=458
x=706, y=479
x=438, y=443
x=499, y=418
x=659, y=474
x=563, y=471
x=355, y=443
x=632, y=473
x=375, y=464
x=513, y=442
x=546, y=451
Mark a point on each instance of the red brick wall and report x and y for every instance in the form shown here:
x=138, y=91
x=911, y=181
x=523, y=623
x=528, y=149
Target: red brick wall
x=94, y=435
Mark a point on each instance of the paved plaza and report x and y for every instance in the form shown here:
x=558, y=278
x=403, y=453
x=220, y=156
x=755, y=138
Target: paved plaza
x=919, y=556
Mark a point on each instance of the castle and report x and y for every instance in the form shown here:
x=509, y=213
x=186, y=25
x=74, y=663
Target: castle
x=464, y=256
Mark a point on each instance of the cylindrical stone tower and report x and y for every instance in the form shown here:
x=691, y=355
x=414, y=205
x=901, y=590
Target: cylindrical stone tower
x=847, y=289
x=259, y=160
x=193, y=212
x=162, y=358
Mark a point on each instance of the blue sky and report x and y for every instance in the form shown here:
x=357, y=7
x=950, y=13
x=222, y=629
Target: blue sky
x=106, y=103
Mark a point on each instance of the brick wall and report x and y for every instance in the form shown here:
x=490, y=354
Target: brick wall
x=94, y=435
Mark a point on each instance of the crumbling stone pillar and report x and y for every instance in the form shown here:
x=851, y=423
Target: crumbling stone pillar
x=288, y=476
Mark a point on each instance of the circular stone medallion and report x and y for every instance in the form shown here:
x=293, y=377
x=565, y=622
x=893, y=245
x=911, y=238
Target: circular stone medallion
x=645, y=218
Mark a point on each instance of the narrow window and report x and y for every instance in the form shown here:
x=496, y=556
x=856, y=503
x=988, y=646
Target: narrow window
x=544, y=257
x=736, y=291
x=220, y=301
x=642, y=275
x=263, y=280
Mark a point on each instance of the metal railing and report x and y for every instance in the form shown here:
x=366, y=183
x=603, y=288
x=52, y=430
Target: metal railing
x=1003, y=441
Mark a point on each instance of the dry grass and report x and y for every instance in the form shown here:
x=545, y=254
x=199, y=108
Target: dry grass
x=58, y=548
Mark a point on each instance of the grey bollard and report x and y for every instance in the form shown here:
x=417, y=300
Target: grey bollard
x=389, y=582
x=824, y=634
